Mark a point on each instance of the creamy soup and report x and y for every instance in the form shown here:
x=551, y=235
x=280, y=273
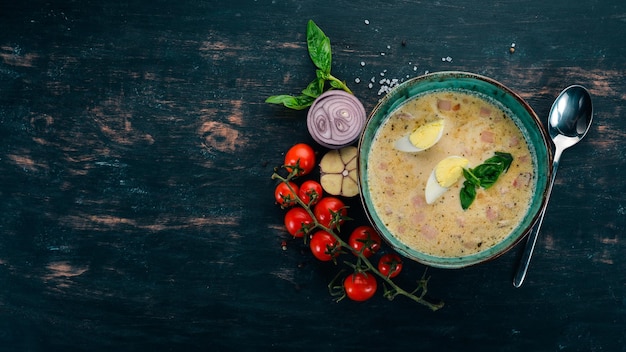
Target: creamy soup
x=474, y=129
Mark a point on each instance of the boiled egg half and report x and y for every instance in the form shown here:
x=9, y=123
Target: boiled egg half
x=445, y=174
x=421, y=138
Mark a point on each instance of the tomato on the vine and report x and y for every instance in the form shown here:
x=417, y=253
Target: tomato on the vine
x=360, y=286
x=365, y=239
x=302, y=155
x=297, y=218
x=324, y=246
x=310, y=192
x=284, y=196
x=390, y=265
x=325, y=208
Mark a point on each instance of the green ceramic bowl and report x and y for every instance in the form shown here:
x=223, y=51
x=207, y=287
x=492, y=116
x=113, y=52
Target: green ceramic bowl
x=521, y=113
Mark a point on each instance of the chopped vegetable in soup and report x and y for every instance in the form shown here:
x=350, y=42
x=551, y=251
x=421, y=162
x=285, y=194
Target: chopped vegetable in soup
x=474, y=129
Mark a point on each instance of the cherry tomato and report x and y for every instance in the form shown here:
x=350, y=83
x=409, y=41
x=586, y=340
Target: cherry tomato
x=295, y=219
x=304, y=155
x=365, y=236
x=390, y=265
x=284, y=196
x=324, y=246
x=360, y=286
x=310, y=192
x=324, y=209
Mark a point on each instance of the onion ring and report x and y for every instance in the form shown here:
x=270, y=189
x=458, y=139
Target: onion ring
x=336, y=119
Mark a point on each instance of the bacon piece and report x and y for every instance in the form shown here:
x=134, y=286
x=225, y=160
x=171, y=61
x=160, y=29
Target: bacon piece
x=429, y=232
x=492, y=213
x=522, y=180
x=418, y=218
x=487, y=136
x=418, y=201
x=444, y=105
x=485, y=112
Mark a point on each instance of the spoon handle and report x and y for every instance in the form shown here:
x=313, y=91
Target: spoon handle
x=532, y=237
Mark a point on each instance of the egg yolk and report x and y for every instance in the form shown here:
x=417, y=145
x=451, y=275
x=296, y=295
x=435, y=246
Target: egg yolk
x=427, y=135
x=449, y=170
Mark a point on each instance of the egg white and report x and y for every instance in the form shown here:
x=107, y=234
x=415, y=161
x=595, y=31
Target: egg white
x=433, y=189
x=404, y=144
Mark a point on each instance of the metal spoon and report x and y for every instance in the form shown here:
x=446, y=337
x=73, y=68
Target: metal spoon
x=568, y=122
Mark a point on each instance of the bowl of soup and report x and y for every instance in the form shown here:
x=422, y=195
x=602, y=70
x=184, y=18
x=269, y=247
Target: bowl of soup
x=440, y=141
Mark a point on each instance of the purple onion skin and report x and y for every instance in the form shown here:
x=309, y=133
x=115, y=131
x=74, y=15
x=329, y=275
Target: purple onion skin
x=336, y=119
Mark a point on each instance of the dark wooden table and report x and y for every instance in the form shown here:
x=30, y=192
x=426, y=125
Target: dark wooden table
x=137, y=211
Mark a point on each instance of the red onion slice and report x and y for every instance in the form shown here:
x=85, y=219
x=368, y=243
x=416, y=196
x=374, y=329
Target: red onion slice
x=336, y=119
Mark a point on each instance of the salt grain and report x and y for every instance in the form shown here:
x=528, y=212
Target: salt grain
x=367, y=22
x=357, y=80
x=362, y=63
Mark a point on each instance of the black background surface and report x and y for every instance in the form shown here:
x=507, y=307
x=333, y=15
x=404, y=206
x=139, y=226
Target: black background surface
x=137, y=210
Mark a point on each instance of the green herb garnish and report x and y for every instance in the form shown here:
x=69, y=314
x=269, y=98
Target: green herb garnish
x=320, y=52
x=483, y=175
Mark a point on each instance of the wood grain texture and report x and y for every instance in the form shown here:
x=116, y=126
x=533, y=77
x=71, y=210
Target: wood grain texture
x=137, y=151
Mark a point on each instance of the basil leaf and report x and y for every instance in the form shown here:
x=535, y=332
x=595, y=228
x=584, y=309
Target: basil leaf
x=467, y=195
x=319, y=47
x=484, y=175
x=303, y=102
x=337, y=84
x=324, y=76
x=506, y=159
x=315, y=88
x=488, y=174
x=280, y=99
x=297, y=103
x=470, y=177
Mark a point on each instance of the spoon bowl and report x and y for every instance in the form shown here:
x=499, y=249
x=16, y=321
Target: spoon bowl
x=569, y=121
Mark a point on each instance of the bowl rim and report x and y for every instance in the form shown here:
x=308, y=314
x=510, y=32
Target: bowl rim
x=476, y=258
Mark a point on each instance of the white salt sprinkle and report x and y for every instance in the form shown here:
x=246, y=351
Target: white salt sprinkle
x=357, y=80
x=367, y=22
x=362, y=63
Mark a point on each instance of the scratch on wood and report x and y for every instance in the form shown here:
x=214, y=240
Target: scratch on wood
x=106, y=222
x=26, y=162
x=119, y=129
x=12, y=56
x=220, y=136
x=61, y=273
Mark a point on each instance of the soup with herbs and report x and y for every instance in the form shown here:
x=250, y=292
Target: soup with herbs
x=467, y=130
